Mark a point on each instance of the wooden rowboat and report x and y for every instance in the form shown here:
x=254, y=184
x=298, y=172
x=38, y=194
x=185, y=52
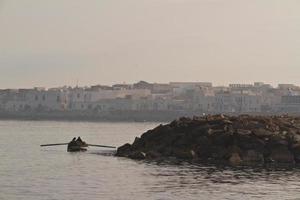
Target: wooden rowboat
x=77, y=146
x=74, y=147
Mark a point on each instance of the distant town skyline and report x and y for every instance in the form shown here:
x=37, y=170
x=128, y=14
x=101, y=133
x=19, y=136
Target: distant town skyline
x=212, y=84
x=190, y=97
x=53, y=43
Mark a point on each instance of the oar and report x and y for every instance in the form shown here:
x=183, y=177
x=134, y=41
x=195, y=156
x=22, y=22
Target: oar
x=47, y=145
x=92, y=145
x=96, y=145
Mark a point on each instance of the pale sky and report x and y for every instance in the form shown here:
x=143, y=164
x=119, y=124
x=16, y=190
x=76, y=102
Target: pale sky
x=57, y=42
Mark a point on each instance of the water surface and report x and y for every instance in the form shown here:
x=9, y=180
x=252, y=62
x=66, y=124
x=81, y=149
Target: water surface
x=28, y=171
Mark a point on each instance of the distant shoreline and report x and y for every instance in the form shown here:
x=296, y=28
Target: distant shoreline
x=112, y=116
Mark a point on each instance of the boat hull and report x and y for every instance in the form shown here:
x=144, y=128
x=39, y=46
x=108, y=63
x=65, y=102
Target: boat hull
x=76, y=148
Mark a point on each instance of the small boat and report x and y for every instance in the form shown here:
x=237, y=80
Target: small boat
x=75, y=148
x=77, y=145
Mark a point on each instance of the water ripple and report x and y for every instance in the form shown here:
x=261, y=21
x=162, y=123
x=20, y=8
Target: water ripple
x=29, y=172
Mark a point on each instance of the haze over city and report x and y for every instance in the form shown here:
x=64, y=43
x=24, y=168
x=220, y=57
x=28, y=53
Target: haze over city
x=62, y=42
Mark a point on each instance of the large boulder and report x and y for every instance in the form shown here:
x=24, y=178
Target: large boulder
x=124, y=150
x=137, y=155
x=219, y=138
x=252, y=156
x=235, y=159
x=296, y=152
x=281, y=154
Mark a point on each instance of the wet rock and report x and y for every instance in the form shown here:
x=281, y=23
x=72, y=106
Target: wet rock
x=277, y=140
x=295, y=137
x=124, y=150
x=138, y=143
x=235, y=159
x=137, y=155
x=281, y=154
x=248, y=142
x=152, y=155
x=252, y=156
x=219, y=138
x=243, y=132
x=182, y=154
x=296, y=151
x=262, y=132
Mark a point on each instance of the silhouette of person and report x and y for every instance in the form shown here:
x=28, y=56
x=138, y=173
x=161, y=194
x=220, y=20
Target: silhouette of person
x=79, y=139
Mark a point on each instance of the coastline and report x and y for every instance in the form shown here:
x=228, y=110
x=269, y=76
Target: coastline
x=111, y=116
x=114, y=116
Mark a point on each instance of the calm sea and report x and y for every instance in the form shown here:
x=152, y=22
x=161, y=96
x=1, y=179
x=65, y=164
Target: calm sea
x=28, y=171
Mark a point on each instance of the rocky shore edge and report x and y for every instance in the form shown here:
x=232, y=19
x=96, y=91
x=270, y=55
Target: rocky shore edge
x=234, y=140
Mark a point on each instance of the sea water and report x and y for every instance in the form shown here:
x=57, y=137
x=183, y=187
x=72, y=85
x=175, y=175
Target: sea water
x=28, y=171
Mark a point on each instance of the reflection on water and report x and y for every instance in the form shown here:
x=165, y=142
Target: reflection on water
x=193, y=181
x=30, y=172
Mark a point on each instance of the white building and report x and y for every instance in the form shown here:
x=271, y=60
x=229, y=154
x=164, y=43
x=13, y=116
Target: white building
x=35, y=100
x=289, y=104
x=229, y=102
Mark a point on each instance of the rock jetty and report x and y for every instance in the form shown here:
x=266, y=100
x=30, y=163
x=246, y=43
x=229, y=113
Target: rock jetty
x=236, y=140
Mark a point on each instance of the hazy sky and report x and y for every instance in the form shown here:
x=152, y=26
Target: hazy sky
x=57, y=42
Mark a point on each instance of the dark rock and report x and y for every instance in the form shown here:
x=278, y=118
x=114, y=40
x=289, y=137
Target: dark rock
x=296, y=151
x=277, y=140
x=235, y=159
x=281, y=154
x=183, y=154
x=219, y=138
x=248, y=142
x=243, y=132
x=137, y=155
x=138, y=143
x=252, y=156
x=124, y=150
x=222, y=139
x=262, y=132
x=152, y=155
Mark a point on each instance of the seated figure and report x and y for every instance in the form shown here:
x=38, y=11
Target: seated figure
x=76, y=145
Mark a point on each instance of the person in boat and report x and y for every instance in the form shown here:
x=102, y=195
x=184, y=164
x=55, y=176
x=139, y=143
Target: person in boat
x=73, y=142
x=79, y=139
x=76, y=145
x=80, y=142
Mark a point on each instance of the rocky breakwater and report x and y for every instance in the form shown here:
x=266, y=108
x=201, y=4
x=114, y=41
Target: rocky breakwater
x=236, y=140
